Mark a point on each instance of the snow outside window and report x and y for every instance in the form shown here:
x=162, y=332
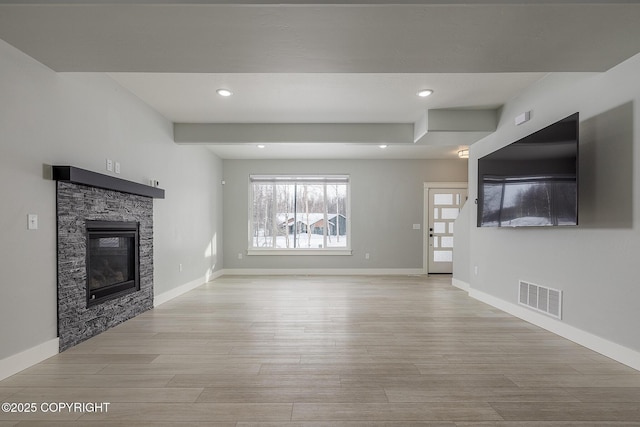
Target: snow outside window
x=299, y=213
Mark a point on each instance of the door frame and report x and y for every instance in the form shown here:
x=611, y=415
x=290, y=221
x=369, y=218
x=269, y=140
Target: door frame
x=427, y=215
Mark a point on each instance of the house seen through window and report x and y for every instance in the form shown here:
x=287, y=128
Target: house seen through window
x=299, y=212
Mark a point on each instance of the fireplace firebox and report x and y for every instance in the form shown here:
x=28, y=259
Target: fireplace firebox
x=112, y=260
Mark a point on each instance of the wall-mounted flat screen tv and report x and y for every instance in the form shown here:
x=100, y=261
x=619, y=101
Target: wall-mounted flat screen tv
x=532, y=182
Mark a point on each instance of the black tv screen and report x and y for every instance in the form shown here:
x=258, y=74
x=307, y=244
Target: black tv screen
x=532, y=182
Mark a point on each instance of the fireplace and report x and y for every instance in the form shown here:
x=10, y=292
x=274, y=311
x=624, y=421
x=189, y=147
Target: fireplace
x=112, y=260
x=105, y=252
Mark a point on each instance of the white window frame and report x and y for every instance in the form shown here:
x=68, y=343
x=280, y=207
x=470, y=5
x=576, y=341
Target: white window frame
x=317, y=179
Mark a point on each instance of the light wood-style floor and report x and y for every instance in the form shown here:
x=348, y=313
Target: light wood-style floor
x=329, y=351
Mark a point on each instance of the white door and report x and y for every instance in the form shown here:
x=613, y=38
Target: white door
x=444, y=205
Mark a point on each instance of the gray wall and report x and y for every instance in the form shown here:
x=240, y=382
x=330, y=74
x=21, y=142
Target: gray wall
x=596, y=263
x=386, y=200
x=81, y=119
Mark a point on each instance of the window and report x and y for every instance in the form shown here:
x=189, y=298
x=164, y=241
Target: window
x=299, y=214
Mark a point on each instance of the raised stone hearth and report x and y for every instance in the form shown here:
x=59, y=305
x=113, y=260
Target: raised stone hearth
x=77, y=204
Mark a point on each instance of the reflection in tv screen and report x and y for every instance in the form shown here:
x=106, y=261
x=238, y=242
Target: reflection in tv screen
x=529, y=202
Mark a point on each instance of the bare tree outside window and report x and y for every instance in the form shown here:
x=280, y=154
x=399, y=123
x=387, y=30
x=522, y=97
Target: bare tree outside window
x=299, y=212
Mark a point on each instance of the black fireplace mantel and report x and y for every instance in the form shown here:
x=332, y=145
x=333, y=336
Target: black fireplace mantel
x=93, y=179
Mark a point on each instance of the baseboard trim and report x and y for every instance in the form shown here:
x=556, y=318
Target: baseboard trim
x=460, y=284
x=600, y=345
x=18, y=362
x=160, y=299
x=322, y=271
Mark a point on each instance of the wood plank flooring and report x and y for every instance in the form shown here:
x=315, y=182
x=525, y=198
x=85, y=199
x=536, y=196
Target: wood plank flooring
x=328, y=351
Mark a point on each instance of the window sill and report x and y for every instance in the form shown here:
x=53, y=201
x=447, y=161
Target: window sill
x=303, y=252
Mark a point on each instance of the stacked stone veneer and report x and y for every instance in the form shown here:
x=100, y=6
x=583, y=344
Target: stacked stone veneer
x=75, y=205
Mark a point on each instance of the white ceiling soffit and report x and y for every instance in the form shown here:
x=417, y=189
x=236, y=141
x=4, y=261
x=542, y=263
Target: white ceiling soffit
x=478, y=122
x=344, y=133
x=360, y=37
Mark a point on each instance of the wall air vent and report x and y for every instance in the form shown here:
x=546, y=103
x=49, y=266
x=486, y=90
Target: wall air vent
x=540, y=298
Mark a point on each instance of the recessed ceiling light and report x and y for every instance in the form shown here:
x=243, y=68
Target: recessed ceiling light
x=424, y=93
x=261, y=145
x=463, y=154
x=224, y=92
x=383, y=146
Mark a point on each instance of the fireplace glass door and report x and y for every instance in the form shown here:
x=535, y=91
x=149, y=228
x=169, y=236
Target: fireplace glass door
x=112, y=259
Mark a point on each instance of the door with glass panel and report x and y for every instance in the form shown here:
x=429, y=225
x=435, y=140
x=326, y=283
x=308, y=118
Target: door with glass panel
x=444, y=207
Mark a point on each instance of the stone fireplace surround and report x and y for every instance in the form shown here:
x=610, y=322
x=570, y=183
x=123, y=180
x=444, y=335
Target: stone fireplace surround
x=77, y=203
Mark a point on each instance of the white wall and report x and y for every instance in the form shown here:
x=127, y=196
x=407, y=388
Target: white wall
x=596, y=263
x=80, y=120
x=386, y=200
x=461, y=250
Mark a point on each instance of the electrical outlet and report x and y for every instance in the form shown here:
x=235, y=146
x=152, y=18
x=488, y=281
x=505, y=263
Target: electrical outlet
x=366, y=256
x=240, y=255
x=475, y=270
x=109, y=165
x=32, y=222
x=180, y=267
x=117, y=167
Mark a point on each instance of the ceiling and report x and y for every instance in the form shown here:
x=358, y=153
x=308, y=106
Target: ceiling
x=327, y=64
